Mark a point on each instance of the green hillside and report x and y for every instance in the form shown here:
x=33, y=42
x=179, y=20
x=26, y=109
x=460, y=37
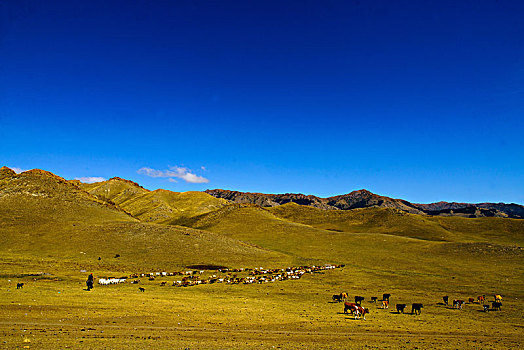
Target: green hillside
x=160, y=206
x=43, y=215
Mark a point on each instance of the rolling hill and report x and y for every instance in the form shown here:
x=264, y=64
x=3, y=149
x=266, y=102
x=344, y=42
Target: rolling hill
x=158, y=206
x=44, y=216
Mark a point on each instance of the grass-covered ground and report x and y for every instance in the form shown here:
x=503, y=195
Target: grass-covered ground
x=52, y=234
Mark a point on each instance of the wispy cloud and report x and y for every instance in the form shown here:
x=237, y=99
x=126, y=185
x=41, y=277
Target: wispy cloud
x=174, y=172
x=90, y=179
x=18, y=170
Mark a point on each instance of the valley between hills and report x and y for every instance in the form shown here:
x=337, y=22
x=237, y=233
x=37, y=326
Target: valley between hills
x=54, y=232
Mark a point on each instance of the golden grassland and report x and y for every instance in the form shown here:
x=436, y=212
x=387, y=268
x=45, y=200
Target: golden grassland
x=51, y=241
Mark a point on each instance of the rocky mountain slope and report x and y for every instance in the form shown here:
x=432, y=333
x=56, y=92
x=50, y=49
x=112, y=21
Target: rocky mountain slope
x=366, y=199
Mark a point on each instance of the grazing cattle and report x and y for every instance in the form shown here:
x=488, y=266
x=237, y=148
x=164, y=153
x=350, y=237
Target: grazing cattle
x=336, y=297
x=142, y=289
x=374, y=299
x=496, y=305
x=471, y=300
x=400, y=308
x=385, y=304
x=486, y=308
x=163, y=283
x=458, y=304
x=481, y=299
x=416, y=308
x=360, y=311
x=358, y=300
x=19, y=285
x=349, y=306
x=498, y=297
x=386, y=296
x=446, y=299
x=344, y=295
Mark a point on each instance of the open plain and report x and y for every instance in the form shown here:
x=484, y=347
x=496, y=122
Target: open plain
x=55, y=232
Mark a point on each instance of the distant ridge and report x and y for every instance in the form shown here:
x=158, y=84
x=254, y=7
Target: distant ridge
x=365, y=199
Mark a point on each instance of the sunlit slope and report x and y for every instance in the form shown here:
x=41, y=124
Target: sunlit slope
x=116, y=189
x=369, y=220
x=392, y=221
x=163, y=206
x=45, y=216
x=158, y=206
x=371, y=258
x=260, y=226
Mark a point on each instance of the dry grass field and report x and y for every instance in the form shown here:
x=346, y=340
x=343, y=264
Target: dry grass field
x=52, y=240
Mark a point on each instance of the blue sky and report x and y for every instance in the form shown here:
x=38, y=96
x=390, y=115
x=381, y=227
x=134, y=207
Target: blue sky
x=415, y=100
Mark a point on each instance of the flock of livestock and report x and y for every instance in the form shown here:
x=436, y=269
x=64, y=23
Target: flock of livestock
x=358, y=311
x=496, y=304
x=229, y=276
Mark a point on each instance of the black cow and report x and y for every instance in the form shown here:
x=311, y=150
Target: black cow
x=386, y=296
x=496, y=305
x=19, y=285
x=337, y=297
x=359, y=300
x=141, y=289
x=446, y=299
x=416, y=308
x=374, y=299
x=486, y=308
x=400, y=308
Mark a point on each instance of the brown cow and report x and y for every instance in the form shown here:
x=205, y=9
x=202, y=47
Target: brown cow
x=349, y=306
x=458, y=304
x=360, y=311
x=385, y=304
x=481, y=299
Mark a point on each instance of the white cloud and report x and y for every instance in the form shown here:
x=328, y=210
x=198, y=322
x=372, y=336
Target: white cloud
x=90, y=179
x=174, y=172
x=18, y=170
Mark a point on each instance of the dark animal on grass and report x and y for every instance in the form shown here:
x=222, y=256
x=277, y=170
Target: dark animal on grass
x=337, y=297
x=496, y=305
x=471, y=300
x=400, y=308
x=386, y=296
x=349, y=306
x=458, y=304
x=486, y=308
x=374, y=299
x=446, y=299
x=141, y=289
x=19, y=285
x=358, y=300
x=163, y=283
x=416, y=308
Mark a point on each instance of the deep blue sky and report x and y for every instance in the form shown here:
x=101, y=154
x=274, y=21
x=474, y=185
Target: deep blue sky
x=421, y=100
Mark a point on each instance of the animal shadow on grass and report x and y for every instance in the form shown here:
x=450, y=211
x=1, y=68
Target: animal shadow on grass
x=397, y=312
x=441, y=304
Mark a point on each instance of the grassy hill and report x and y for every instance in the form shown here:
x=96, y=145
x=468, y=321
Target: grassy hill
x=160, y=206
x=43, y=215
x=53, y=226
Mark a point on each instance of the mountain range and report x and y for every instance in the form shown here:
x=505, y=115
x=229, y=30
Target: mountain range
x=365, y=199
